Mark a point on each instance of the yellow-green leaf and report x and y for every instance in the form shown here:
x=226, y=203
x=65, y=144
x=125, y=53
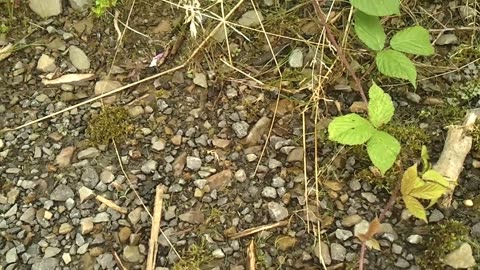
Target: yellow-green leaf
x=425, y=158
x=408, y=180
x=419, y=182
x=434, y=176
x=428, y=191
x=432, y=202
x=415, y=207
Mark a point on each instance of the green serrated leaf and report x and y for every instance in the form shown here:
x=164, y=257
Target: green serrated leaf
x=377, y=7
x=414, y=40
x=434, y=176
x=370, y=31
x=383, y=150
x=380, y=106
x=415, y=207
x=428, y=191
x=409, y=179
x=350, y=129
x=396, y=64
x=425, y=158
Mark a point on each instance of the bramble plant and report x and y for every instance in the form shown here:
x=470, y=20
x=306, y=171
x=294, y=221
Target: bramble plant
x=391, y=61
x=352, y=129
x=102, y=5
x=429, y=185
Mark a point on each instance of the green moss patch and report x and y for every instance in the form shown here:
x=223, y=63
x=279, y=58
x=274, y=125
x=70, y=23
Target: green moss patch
x=113, y=123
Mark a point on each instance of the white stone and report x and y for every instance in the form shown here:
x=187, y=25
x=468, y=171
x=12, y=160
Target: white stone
x=295, y=60
x=46, y=8
x=46, y=63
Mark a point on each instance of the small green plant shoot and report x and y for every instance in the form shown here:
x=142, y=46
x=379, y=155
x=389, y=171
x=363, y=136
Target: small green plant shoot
x=430, y=185
x=391, y=61
x=352, y=129
x=102, y=5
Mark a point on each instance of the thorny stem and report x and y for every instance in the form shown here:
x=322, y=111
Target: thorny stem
x=340, y=52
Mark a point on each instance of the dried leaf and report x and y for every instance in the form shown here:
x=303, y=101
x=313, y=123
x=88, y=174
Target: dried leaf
x=373, y=229
x=6, y=51
x=285, y=242
x=373, y=243
x=333, y=185
x=408, y=180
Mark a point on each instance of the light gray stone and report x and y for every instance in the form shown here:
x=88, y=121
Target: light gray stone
x=435, y=216
x=149, y=167
x=322, y=251
x=29, y=216
x=132, y=254
x=240, y=129
x=11, y=256
x=251, y=18
x=78, y=58
x=200, y=79
x=90, y=177
x=80, y=5
x=461, y=257
x=338, y=252
x=46, y=63
x=45, y=264
x=46, y=8
x=194, y=163
x=447, y=39
x=343, y=234
x=51, y=252
x=90, y=152
x=277, y=211
x=295, y=60
x=269, y=192
x=218, y=253
x=61, y=193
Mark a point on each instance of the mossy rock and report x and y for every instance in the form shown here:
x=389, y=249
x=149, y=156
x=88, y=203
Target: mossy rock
x=441, y=239
x=113, y=123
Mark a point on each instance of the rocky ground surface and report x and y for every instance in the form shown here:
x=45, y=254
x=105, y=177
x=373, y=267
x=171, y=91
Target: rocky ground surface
x=202, y=138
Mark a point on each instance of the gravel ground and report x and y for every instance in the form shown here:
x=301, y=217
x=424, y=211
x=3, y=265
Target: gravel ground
x=201, y=141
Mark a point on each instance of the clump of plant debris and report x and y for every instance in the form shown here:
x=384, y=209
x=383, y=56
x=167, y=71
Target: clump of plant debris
x=113, y=123
x=441, y=239
x=196, y=257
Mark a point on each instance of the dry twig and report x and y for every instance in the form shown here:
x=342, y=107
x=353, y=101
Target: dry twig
x=157, y=215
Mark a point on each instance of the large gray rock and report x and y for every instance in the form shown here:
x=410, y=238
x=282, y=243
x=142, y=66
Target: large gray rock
x=46, y=8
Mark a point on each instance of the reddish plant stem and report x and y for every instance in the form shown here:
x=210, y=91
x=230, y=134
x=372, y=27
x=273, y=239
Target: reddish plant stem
x=388, y=207
x=340, y=52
